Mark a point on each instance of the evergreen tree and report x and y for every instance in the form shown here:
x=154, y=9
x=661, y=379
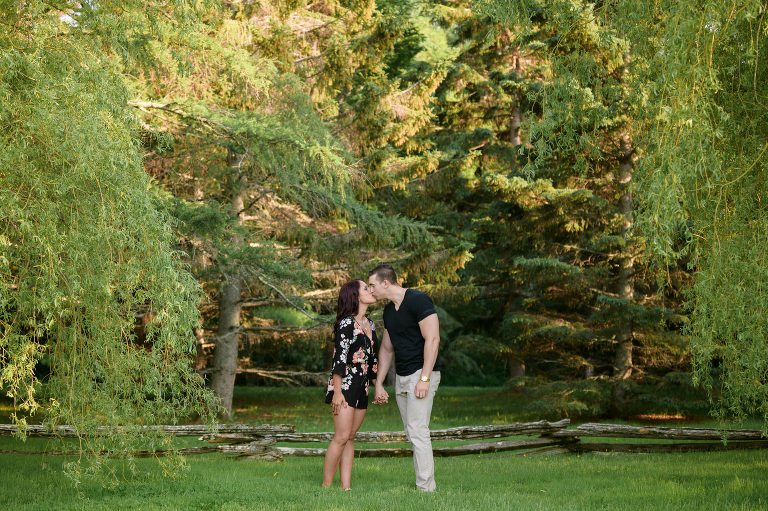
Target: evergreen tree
x=547, y=252
x=696, y=69
x=248, y=144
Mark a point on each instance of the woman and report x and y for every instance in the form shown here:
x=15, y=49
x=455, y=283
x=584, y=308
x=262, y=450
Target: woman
x=354, y=366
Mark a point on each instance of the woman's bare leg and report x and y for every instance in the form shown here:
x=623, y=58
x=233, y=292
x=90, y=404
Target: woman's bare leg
x=348, y=455
x=342, y=429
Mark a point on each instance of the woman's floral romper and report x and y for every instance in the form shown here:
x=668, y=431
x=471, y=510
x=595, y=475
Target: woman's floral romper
x=354, y=359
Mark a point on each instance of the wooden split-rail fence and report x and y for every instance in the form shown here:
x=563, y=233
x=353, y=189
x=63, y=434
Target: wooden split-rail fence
x=259, y=442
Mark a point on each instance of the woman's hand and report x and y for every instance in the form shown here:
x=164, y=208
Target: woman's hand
x=381, y=396
x=338, y=402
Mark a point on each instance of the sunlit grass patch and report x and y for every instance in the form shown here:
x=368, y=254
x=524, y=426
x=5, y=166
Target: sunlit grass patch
x=720, y=480
x=732, y=480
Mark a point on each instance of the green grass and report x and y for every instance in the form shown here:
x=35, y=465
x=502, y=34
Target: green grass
x=729, y=480
x=305, y=407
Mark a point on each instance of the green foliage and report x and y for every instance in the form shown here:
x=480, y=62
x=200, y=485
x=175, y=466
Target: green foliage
x=711, y=180
x=472, y=360
x=298, y=353
x=84, y=248
x=675, y=393
x=264, y=193
x=516, y=169
x=246, y=102
x=572, y=398
x=478, y=153
x=285, y=316
x=468, y=359
x=695, y=74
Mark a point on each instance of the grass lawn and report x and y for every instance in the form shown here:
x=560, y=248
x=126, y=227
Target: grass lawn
x=729, y=480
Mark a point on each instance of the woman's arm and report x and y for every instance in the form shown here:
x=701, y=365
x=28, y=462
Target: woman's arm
x=342, y=341
x=373, y=367
x=338, y=402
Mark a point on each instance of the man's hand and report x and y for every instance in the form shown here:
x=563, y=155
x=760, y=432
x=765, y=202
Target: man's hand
x=381, y=396
x=338, y=402
x=421, y=390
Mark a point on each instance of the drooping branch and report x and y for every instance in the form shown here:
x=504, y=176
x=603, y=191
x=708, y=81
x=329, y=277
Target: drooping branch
x=212, y=126
x=295, y=305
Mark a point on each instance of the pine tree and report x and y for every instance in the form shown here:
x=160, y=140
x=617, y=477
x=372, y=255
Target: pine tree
x=696, y=69
x=547, y=252
x=246, y=131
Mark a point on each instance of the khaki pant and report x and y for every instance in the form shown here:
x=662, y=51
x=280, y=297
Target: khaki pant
x=415, y=413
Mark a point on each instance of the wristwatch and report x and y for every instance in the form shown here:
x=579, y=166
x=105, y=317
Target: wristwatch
x=424, y=378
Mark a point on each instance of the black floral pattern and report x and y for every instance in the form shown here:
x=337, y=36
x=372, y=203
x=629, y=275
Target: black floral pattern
x=355, y=360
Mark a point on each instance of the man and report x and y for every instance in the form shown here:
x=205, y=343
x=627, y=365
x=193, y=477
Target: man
x=412, y=334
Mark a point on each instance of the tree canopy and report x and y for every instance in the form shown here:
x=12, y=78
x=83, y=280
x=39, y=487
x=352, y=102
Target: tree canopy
x=579, y=185
x=696, y=69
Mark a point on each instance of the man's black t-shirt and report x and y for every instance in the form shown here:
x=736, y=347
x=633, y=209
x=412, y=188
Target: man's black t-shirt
x=403, y=328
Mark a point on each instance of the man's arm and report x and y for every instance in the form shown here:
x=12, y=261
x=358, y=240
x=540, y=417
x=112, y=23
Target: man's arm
x=386, y=352
x=430, y=330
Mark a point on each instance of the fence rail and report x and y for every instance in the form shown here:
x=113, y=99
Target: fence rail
x=36, y=430
x=258, y=442
x=383, y=437
x=592, y=429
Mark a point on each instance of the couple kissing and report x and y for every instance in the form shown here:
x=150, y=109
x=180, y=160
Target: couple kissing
x=411, y=337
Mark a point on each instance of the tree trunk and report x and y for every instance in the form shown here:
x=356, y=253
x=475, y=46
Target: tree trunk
x=516, y=366
x=625, y=286
x=230, y=303
x=514, y=131
x=199, y=353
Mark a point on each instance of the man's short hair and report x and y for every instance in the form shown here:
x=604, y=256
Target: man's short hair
x=384, y=272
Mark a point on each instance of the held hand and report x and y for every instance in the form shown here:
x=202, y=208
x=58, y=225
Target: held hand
x=381, y=396
x=338, y=402
x=421, y=390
